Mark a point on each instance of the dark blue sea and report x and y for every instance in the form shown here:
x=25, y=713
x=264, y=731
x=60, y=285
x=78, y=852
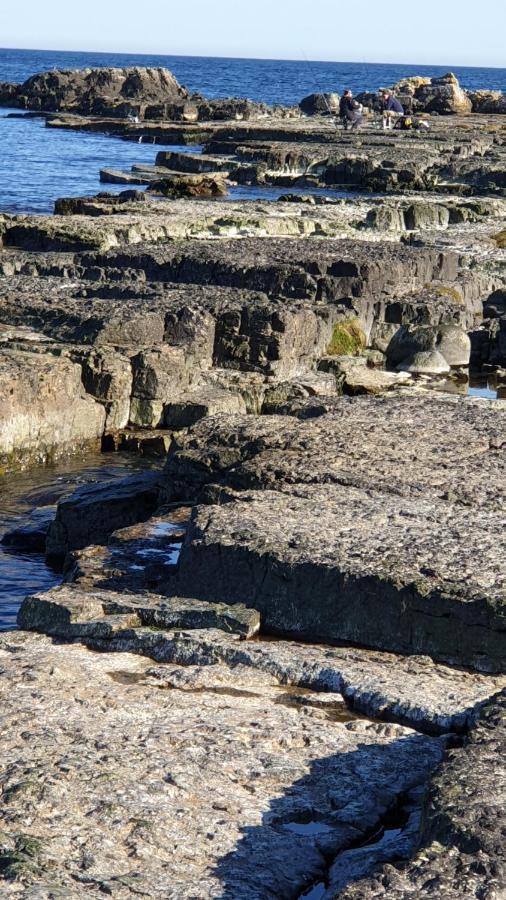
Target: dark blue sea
x=40, y=164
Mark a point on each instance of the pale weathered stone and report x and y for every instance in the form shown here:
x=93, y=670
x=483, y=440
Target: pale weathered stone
x=425, y=362
x=131, y=755
x=44, y=411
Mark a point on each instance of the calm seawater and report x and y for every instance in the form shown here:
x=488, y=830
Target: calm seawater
x=39, y=164
x=30, y=497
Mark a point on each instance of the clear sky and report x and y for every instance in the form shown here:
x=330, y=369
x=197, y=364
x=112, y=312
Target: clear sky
x=438, y=32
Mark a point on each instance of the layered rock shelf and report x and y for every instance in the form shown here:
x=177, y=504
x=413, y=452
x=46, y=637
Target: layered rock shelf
x=276, y=663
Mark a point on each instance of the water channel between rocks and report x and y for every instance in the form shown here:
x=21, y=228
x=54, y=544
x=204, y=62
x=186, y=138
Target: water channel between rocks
x=32, y=495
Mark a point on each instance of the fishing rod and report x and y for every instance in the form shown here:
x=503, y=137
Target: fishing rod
x=318, y=85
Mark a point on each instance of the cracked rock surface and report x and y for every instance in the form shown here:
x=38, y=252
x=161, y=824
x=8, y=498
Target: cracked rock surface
x=161, y=802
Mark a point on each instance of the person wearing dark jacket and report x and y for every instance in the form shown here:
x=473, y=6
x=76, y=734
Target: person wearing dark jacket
x=349, y=111
x=392, y=109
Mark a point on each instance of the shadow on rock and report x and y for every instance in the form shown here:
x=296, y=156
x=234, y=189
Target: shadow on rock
x=365, y=804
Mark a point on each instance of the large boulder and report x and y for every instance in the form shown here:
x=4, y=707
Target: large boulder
x=320, y=104
x=448, y=341
x=454, y=345
x=443, y=96
x=98, y=91
x=426, y=362
x=492, y=102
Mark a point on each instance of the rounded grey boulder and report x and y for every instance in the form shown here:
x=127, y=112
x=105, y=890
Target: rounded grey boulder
x=451, y=342
x=426, y=362
x=408, y=340
x=454, y=344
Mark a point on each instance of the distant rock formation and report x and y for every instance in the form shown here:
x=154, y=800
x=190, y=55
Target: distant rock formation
x=488, y=102
x=442, y=96
x=149, y=93
x=99, y=91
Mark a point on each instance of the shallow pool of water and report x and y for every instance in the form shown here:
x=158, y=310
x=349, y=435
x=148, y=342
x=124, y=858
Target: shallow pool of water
x=274, y=192
x=22, y=494
x=486, y=393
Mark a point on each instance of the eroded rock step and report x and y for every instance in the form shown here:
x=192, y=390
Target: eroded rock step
x=335, y=527
x=461, y=846
x=188, y=631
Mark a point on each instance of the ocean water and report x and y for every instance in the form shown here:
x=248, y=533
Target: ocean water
x=273, y=81
x=31, y=496
x=39, y=164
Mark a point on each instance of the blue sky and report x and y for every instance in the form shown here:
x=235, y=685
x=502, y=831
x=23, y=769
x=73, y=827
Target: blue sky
x=457, y=32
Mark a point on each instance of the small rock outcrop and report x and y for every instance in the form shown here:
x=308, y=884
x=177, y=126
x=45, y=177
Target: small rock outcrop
x=44, y=410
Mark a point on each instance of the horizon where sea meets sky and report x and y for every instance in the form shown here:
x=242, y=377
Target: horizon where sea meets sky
x=456, y=32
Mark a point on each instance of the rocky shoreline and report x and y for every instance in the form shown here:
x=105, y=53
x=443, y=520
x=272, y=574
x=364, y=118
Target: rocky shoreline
x=276, y=664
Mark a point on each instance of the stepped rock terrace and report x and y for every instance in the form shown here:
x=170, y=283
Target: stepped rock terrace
x=275, y=665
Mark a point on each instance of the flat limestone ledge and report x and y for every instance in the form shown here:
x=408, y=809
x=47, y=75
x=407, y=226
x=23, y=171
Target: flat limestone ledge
x=462, y=851
x=420, y=446
x=70, y=613
x=181, y=781
x=412, y=691
x=101, y=225
x=324, y=268
x=113, y=219
x=43, y=408
x=157, y=223
x=335, y=563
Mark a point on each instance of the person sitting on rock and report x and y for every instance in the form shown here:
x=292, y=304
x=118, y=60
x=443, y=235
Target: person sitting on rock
x=392, y=109
x=349, y=111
